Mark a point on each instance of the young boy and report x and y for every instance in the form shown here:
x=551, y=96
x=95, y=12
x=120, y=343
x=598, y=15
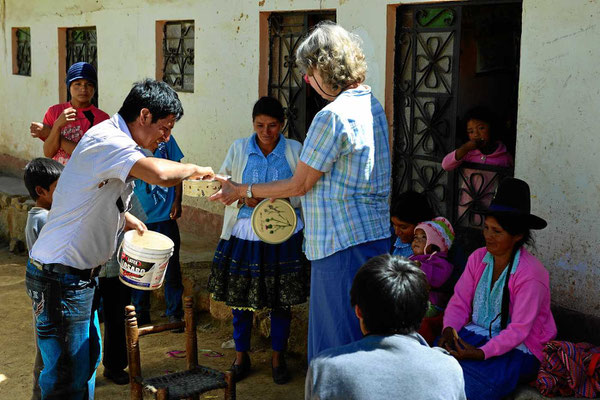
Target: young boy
x=41, y=176
x=389, y=297
x=162, y=207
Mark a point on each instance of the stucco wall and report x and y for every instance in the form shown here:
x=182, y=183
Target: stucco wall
x=226, y=63
x=558, y=146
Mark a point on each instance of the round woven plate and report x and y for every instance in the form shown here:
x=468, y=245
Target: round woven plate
x=274, y=222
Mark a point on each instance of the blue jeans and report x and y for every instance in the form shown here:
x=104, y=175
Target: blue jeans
x=68, y=333
x=172, y=283
x=331, y=318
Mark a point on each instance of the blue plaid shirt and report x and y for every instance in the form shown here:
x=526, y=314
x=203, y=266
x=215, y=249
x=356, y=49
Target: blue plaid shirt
x=348, y=142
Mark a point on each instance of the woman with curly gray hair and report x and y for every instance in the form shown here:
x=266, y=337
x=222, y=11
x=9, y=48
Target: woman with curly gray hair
x=343, y=177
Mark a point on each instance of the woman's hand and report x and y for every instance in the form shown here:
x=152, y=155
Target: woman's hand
x=447, y=339
x=131, y=222
x=229, y=191
x=465, y=351
x=68, y=115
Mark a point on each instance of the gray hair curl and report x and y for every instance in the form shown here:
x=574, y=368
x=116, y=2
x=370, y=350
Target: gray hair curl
x=335, y=53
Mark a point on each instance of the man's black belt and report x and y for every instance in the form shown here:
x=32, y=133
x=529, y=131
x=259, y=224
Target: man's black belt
x=65, y=269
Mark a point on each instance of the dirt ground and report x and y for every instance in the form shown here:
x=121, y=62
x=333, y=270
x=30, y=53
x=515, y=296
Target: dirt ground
x=17, y=349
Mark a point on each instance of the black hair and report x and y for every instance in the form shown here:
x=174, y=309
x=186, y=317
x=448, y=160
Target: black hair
x=268, y=106
x=392, y=294
x=412, y=207
x=41, y=172
x=484, y=114
x=156, y=96
x=515, y=225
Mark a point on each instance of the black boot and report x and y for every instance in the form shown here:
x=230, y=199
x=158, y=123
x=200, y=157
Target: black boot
x=281, y=375
x=240, y=371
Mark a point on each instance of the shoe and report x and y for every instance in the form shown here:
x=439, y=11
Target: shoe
x=173, y=319
x=120, y=377
x=281, y=375
x=240, y=371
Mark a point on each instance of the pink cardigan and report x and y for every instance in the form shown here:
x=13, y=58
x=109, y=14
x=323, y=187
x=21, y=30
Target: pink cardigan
x=500, y=157
x=531, y=320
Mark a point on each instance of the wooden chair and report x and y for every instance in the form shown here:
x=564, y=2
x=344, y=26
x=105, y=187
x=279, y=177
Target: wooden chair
x=178, y=385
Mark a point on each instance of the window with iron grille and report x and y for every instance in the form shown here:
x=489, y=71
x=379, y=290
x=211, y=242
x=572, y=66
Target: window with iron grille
x=300, y=101
x=82, y=46
x=178, y=55
x=22, y=51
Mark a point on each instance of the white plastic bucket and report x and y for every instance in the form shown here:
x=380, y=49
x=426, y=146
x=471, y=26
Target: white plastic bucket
x=143, y=259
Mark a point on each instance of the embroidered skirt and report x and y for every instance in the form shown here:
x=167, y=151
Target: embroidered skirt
x=250, y=274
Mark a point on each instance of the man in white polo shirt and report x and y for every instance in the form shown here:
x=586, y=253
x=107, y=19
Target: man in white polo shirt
x=89, y=209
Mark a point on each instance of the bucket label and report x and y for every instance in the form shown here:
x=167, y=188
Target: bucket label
x=134, y=267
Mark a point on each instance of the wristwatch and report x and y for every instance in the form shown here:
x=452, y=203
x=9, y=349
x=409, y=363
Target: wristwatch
x=249, y=191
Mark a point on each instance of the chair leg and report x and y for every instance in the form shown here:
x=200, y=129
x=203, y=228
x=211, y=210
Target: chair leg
x=133, y=353
x=230, y=389
x=162, y=394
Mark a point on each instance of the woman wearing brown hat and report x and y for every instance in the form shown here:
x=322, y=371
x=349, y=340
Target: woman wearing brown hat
x=501, y=303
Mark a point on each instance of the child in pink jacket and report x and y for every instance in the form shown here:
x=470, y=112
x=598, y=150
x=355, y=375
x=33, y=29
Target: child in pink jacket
x=481, y=148
x=430, y=245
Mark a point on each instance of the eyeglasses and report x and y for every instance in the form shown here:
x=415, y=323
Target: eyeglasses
x=306, y=79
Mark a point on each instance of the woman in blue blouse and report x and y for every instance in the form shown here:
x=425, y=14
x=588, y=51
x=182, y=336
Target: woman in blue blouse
x=248, y=274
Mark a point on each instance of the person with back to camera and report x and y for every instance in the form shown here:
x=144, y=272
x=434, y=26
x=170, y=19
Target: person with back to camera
x=89, y=209
x=343, y=177
x=248, y=274
x=392, y=361
x=408, y=210
x=501, y=303
x=64, y=124
x=431, y=243
x=41, y=176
